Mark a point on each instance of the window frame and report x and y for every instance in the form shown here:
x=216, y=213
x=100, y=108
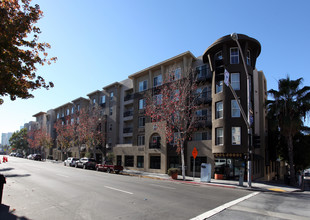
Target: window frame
x=141, y=140
x=158, y=82
x=141, y=122
x=234, y=58
x=217, y=111
x=235, y=104
x=219, y=141
x=142, y=105
x=238, y=142
x=219, y=86
x=143, y=85
x=234, y=83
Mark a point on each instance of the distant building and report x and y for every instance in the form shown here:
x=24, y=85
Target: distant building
x=5, y=138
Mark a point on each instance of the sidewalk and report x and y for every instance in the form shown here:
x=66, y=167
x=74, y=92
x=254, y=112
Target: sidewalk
x=256, y=186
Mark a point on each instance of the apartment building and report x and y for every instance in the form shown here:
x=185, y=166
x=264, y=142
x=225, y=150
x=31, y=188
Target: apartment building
x=220, y=137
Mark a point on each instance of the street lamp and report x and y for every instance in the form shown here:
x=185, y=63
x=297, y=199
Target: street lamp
x=234, y=36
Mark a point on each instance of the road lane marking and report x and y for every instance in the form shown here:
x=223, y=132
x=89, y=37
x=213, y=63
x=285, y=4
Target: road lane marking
x=166, y=187
x=212, y=212
x=118, y=190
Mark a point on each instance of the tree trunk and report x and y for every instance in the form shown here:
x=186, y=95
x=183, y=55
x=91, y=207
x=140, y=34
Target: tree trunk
x=183, y=162
x=291, y=160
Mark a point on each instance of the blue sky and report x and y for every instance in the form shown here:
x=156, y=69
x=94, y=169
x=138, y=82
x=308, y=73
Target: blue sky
x=98, y=42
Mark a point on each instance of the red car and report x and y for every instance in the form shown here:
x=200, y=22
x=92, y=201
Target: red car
x=109, y=167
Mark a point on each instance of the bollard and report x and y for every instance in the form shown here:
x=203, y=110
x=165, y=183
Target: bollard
x=2, y=182
x=3, y=159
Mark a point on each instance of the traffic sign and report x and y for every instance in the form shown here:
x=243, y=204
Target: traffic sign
x=194, y=152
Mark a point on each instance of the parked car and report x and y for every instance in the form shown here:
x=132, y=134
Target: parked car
x=70, y=161
x=109, y=167
x=19, y=155
x=37, y=157
x=86, y=163
x=30, y=156
x=13, y=154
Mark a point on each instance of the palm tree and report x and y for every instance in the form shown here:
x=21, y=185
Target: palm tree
x=289, y=108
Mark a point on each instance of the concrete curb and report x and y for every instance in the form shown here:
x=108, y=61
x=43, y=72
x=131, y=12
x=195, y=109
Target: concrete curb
x=269, y=189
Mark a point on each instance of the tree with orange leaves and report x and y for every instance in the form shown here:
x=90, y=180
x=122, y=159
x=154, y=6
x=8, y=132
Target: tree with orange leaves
x=172, y=108
x=20, y=50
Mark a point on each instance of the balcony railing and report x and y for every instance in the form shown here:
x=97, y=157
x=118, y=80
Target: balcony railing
x=128, y=97
x=154, y=146
x=128, y=113
x=127, y=130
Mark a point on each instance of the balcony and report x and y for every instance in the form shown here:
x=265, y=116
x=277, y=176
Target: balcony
x=128, y=99
x=204, y=99
x=127, y=132
x=128, y=113
x=203, y=75
x=154, y=146
x=203, y=122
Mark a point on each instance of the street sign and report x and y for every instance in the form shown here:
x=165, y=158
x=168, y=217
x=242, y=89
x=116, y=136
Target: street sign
x=194, y=152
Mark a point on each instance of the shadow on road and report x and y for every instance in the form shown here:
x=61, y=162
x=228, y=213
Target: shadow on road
x=6, y=214
x=6, y=169
x=16, y=175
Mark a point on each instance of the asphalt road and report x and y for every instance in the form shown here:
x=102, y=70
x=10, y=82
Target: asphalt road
x=44, y=190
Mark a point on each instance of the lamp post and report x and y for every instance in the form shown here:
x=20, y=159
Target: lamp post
x=234, y=36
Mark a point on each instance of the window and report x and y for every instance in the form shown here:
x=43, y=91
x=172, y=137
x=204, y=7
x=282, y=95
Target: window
x=111, y=96
x=236, y=135
x=219, y=139
x=157, y=80
x=110, y=141
x=141, y=104
x=219, y=87
x=94, y=101
x=155, y=141
x=204, y=135
x=235, y=110
x=62, y=114
x=72, y=110
x=234, y=55
x=141, y=122
x=142, y=85
x=141, y=140
x=110, y=127
x=72, y=121
x=158, y=99
x=175, y=75
x=140, y=161
x=103, y=99
x=201, y=71
x=201, y=112
x=68, y=112
x=78, y=120
x=58, y=115
x=235, y=81
x=129, y=161
x=248, y=58
x=218, y=56
x=219, y=110
x=154, y=162
x=78, y=107
x=111, y=111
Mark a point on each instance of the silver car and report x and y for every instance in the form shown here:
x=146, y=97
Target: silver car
x=70, y=161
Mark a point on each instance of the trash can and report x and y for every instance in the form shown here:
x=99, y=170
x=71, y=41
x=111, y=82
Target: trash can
x=205, y=173
x=2, y=181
